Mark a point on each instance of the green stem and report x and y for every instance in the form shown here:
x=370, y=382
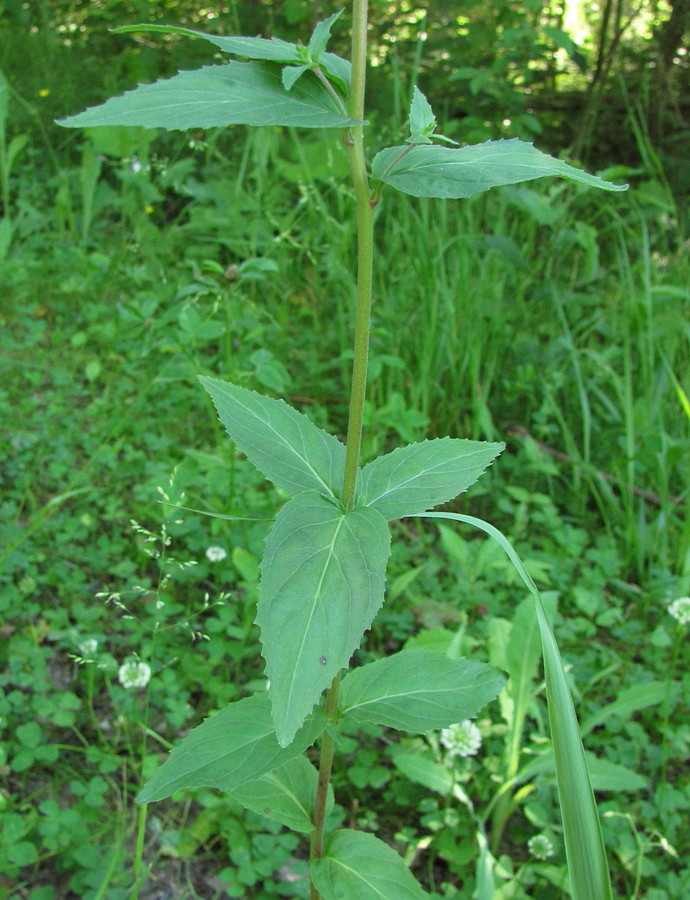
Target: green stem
x=365, y=253
x=325, y=767
x=365, y=258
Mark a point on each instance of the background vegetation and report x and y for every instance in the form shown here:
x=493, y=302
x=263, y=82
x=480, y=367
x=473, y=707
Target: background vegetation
x=546, y=315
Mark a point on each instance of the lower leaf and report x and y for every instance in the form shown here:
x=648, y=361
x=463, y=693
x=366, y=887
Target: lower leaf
x=236, y=745
x=357, y=864
x=286, y=795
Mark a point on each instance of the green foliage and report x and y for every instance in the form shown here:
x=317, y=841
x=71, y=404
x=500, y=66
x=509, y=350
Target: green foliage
x=286, y=794
x=356, y=864
x=236, y=745
x=322, y=583
x=281, y=442
x=236, y=93
x=132, y=282
x=427, y=171
x=412, y=479
x=418, y=691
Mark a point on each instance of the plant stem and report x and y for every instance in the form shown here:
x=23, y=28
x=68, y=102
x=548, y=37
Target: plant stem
x=365, y=256
x=365, y=252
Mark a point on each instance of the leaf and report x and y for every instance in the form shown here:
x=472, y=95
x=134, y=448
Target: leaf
x=423, y=121
x=414, y=478
x=282, y=443
x=267, y=49
x=236, y=93
x=608, y=776
x=286, y=795
x=290, y=75
x=322, y=582
x=584, y=843
x=358, y=864
x=640, y=696
x=422, y=118
x=236, y=745
x=424, y=771
x=430, y=171
x=418, y=691
x=320, y=37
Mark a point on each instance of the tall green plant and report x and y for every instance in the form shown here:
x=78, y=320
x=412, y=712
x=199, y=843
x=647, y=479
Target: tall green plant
x=323, y=572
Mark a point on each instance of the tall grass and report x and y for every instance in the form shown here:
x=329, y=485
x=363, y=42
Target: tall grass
x=540, y=309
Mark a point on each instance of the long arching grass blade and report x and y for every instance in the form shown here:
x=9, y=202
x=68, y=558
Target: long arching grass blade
x=584, y=844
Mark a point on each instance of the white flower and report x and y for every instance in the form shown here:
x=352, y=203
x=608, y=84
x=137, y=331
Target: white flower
x=134, y=674
x=680, y=610
x=88, y=646
x=541, y=846
x=463, y=739
x=215, y=554
x=135, y=165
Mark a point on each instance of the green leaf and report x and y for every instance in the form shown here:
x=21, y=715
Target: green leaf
x=282, y=443
x=635, y=698
x=290, y=75
x=422, y=118
x=424, y=771
x=236, y=93
x=412, y=479
x=418, y=691
x=236, y=745
x=429, y=171
x=608, y=776
x=321, y=35
x=268, y=49
x=423, y=121
x=358, y=864
x=337, y=69
x=584, y=844
x=322, y=582
x=286, y=795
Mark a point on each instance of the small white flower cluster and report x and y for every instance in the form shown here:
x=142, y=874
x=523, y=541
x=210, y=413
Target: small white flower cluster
x=680, y=610
x=88, y=647
x=462, y=739
x=134, y=674
x=215, y=554
x=541, y=846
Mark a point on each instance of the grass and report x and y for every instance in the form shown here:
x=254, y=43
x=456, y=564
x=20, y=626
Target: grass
x=547, y=316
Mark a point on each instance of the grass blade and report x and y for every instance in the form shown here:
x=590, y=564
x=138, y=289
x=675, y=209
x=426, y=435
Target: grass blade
x=584, y=844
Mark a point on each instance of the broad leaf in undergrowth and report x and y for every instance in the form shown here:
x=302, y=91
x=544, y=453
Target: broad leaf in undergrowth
x=236, y=745
x=286, y=794
x=418, y=691
x=357, y=864
x=322, y=583
x=412, y=479
x=430, y=171
x=281, y=442
x=236, y=93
